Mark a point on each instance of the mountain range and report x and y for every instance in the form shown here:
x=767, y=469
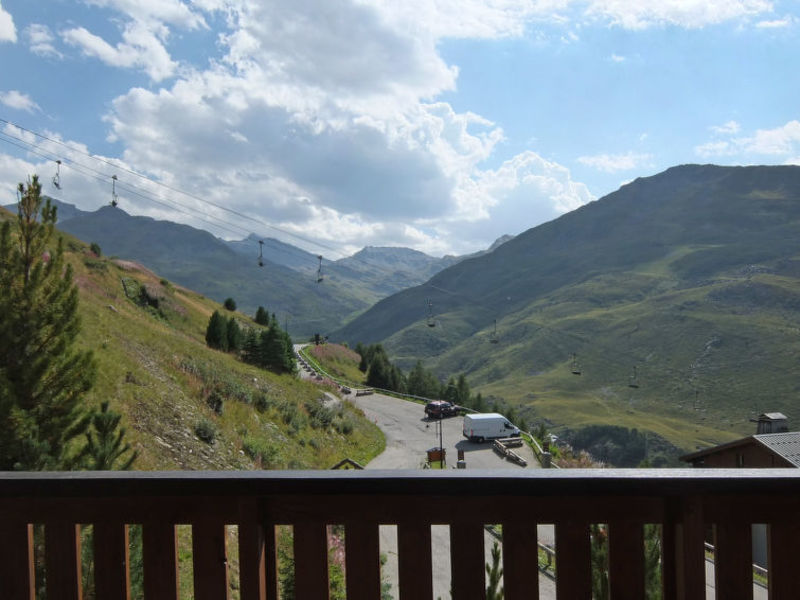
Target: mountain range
x=286, y=284
x=671, y=304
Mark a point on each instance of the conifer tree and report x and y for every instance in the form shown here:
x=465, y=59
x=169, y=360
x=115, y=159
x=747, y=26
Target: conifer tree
x=250, y=350
x=494, y=591
x=217, y=331
x=262, y=316
x=105, y=449
x=42, y=376
x=233, y=334
x=272, y=350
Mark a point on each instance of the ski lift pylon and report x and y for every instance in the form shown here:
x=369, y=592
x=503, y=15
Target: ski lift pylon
x=57, y=176
x=114, y=197
x=493, y=337
x=260, y=253
x=320, y=276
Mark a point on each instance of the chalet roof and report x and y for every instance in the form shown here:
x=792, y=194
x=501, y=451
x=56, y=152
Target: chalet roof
x=786, y=445
x=774, y=416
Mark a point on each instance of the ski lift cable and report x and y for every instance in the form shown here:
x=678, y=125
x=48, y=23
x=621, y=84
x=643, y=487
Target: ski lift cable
x=102, y=177
x=141, y=193
x=32, y=148
x=173, y=205
x=129, y=188
x=177, y=190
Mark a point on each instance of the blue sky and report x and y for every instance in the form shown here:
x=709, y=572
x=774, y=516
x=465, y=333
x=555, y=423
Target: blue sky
x=434, y=124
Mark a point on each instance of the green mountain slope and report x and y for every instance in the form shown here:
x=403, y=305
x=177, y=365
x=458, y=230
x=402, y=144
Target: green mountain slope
x=200, y=261
x=690, y=276
x=155, y=368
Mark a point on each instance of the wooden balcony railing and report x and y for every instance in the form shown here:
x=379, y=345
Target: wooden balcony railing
x=689, y=503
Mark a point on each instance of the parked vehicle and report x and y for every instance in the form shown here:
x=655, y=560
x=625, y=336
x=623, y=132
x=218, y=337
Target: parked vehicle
x=488, y=426
x=438, y=409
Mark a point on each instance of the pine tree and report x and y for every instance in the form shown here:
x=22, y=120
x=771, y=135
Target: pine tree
x=289, y=361
x=42, y=376
x=262, y=316
x=250, y=351
x=217, y=331
x=233, y=335
x=494, y=571
x=462, y=390
x=273, y=350
x=105, y=448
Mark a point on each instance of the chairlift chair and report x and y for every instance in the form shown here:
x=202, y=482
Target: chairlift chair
x=57, y=176
x=576, y=370
x=633, y=381
x=431, y=320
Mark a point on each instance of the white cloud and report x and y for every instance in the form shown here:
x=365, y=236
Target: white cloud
x=41, y=40
x=613, y=163
x=19, y=101
x=787, y=21
x=172, y=12
x=713, y=149
x=617, y=58
x=729, y=128
x=779, y=141
x=469, y=18
x=523, y=192
x=8, y=32
x=141, y=48
x=691, y=14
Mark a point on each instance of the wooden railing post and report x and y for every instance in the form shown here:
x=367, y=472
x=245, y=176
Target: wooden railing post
x=414, y=560
x=311, y=561
x=160, y=561
x=626, y=560
x=783, y=544
x=467, y=560
x=573, y=560
x=688, y=567
x=520, y=561
x=16, y=561
x=62, y=549
x=111, y=561
x=252, y=552
x=210, y=559
x=733, y=559
x=362, y=561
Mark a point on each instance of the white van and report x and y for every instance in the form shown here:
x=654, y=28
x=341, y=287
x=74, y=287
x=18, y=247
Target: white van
x=488, y=426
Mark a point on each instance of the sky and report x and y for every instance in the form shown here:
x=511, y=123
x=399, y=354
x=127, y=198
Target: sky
x=438, y=125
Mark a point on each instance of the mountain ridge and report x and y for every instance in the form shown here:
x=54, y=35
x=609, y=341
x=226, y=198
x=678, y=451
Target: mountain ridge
x=688, y=276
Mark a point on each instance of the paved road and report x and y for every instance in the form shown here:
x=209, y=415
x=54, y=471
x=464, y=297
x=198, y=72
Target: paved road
x=408, y=435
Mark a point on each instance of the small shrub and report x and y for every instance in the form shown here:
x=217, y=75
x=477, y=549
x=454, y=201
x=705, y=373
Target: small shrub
x=216, y=401
x=230, y=304
x=262, y=402
x=261, y=451
x=206, y=431
x=95, y=248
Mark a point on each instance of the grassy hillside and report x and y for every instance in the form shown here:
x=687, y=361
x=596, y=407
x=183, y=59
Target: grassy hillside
x=155, y=369
x=690, y=276
x=200, y=261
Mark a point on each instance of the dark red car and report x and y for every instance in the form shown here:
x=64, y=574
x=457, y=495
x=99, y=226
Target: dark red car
x=438, y=409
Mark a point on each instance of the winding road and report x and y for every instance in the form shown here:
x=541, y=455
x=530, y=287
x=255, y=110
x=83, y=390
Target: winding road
x=408, y=435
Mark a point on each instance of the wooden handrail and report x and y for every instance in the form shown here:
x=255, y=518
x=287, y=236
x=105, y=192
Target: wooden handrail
x=686, y=501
